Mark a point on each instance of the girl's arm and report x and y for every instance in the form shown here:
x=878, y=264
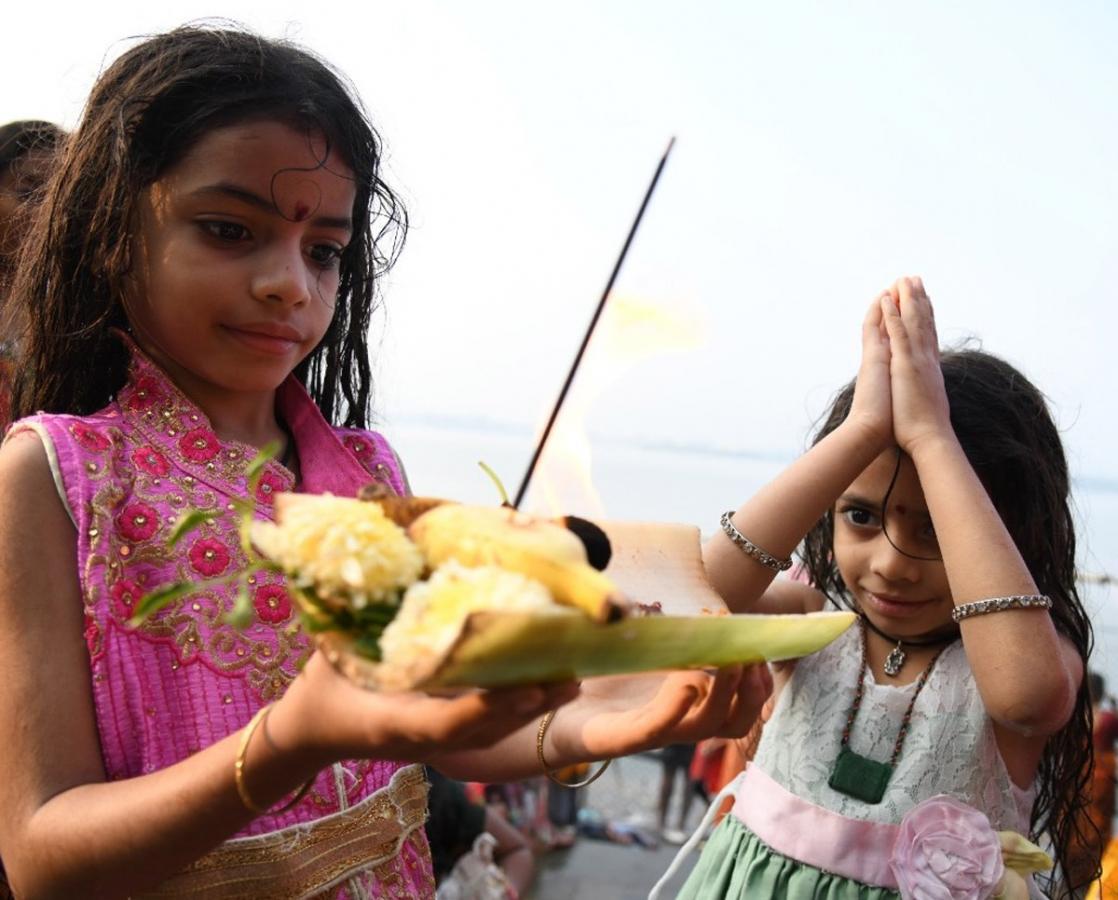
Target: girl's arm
x=780, y=514
x=65, y=831
x=620, y=715
x=1027, y=674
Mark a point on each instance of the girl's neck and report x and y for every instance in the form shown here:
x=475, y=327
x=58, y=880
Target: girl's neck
x=917, y=657
x=247, y=417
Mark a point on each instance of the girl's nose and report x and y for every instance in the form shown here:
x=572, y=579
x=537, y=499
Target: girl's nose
x=891, y=564
x=282, y=277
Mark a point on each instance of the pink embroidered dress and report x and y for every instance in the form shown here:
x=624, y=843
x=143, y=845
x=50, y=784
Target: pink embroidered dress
x=185, y=679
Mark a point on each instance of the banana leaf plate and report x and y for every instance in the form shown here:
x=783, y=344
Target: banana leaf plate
x=495, y=649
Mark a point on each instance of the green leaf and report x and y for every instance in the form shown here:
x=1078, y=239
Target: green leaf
x=256, y=466
x=497, y=481
x=187, y=523
x=240, y=616
x=158, y=599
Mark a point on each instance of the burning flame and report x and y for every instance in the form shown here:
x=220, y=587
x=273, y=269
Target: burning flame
x=631, y=331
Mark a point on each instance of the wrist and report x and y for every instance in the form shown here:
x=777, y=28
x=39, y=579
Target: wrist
x=865, y=441
x=934, y=448
x=285, y=734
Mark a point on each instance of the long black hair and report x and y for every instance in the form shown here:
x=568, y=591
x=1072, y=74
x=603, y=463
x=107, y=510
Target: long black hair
x=146, y=111
x=1007, y=432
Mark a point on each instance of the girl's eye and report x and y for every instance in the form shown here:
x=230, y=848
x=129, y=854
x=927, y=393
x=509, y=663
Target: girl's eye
x=859, y=517
x=325, y=255
x=225, y=231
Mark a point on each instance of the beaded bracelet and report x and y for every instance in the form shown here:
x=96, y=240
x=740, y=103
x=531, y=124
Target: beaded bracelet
x=750, y=549
x=547, y=770
x=1000, y=604
x=239, y=768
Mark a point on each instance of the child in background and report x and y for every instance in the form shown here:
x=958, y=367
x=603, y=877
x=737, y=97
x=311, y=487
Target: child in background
x=198, y=283
x=935, y=485
x=26, y=150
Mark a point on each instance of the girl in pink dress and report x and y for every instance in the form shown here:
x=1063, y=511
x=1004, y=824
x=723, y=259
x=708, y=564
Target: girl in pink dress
x=200, y=284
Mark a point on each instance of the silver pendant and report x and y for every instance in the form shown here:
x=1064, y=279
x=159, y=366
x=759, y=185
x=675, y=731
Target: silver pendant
x=894, y=661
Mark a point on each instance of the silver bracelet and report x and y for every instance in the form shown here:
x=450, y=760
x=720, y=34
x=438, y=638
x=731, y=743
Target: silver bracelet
x=750, y=549
x=999, y=604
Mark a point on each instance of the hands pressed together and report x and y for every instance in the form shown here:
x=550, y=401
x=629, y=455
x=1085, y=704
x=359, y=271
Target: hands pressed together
x=899, y=397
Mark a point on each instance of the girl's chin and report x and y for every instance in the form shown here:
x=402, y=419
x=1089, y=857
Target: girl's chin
x=912, y=619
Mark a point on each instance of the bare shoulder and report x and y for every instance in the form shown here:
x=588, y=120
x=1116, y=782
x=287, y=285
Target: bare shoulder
x=29, y=500
x=785, y=597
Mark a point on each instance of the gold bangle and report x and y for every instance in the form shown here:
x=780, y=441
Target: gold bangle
x=239, y=768
x=548, y=771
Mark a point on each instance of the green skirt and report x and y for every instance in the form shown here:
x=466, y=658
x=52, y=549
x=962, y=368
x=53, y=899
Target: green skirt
x=735, y=863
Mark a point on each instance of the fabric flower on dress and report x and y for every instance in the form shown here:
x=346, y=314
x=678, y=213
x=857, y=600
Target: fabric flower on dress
x=209, y=557
x=361, y=447
x=90, y=439
x=272, y=603
x=150, y=460
x=200, y=445
x=126, y=593
x=146, y=392
x=270, y=484
x=947, y=850
x=138, y=522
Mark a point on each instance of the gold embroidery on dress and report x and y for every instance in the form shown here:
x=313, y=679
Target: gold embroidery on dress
x=312, y=860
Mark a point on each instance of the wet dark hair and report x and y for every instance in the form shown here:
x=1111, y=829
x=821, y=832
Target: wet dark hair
x=1007, y=432
x=146, y=111
x=17, y=139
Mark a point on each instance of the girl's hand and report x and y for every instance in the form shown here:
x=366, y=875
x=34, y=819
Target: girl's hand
x=920, y=408
x=871, y=409
x=326, y=717
x=624, y=714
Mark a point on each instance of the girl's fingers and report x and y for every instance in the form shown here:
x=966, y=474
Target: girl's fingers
x=754, y=690
x=715, y=707
x=894, y=327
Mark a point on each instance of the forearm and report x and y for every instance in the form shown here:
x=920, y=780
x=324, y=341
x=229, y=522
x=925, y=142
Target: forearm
x=982, y=561
x=114, y=839
x=513, y=758
x=781, y=513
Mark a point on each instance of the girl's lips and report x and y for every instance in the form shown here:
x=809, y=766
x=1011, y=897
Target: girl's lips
x=272, y=344
x=890, y=606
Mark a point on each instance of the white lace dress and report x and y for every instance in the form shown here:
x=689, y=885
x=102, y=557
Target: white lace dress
x=950, y=749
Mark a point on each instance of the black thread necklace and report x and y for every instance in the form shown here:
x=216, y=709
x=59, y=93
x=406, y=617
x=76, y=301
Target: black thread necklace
x=896, y=658
x=859, y=776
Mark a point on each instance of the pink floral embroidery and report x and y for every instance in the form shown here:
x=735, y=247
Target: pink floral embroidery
x=270, y=485
x=138, y=522
x=125, y=595
x=361, y=447
x=150, y=460
x=146, y=392
x=200, y=445
x=272, y=603
x=89, y=438
x=209, y=557
x=92, y=634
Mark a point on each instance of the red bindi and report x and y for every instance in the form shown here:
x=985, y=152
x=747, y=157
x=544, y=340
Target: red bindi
x=301, y=211
x=901, y=510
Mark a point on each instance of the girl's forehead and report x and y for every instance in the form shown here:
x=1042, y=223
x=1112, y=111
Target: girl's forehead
x=296, y=168
x=875, y=479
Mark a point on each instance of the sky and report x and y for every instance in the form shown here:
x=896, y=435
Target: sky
x=823, y=149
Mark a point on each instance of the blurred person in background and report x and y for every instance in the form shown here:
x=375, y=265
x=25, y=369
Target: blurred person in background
x=26, y=150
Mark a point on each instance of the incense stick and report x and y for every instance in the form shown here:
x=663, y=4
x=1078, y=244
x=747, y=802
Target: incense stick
x=589, y=332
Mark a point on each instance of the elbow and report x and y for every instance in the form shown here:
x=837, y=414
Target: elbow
x=1039, y=715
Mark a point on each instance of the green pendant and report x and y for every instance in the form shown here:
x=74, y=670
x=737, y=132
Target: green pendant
x=858, y=777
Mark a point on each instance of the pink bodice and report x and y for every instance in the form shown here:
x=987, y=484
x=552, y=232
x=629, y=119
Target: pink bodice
x=185, y=678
